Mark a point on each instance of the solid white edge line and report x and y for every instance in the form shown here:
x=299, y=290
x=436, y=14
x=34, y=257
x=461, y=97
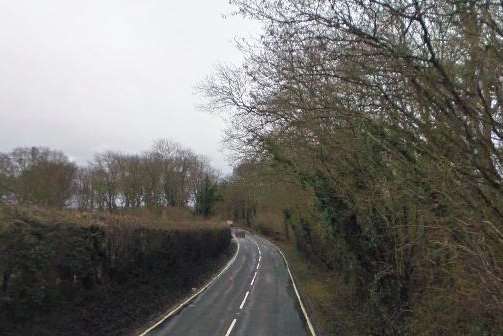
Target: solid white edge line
x=308, y=321
x=184, y=303
x=306, y=317
x=244, y=300
x=230, y=328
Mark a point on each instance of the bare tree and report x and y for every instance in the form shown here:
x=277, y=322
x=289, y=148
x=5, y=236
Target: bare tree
x=391, y=111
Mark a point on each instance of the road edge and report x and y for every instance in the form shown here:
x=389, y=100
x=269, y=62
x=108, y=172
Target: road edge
x=301, y=303
x=195, y=295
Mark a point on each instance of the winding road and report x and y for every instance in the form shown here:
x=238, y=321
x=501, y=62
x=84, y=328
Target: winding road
x=254, y=296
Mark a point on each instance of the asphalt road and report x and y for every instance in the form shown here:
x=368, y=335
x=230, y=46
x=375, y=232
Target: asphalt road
x=254, y=297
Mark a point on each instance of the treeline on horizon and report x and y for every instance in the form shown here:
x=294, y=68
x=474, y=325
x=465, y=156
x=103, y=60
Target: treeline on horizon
x=370, y=133
x=167, y=175
x=101, y=249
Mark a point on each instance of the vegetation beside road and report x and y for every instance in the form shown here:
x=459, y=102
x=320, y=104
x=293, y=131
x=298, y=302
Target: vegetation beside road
x=67, y=272
x=370, y=135
x=319, y=288
x=102, y=248
x=166, y=175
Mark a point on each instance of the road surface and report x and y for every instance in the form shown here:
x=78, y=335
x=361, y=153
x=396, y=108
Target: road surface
x=254, y=297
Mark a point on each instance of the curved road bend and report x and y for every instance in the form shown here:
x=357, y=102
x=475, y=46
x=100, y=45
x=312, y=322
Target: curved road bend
x=254, y=297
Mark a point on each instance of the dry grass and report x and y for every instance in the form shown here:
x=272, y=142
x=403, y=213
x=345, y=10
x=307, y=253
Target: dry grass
x=162, y=219
x=329, y=299
x=318, y=289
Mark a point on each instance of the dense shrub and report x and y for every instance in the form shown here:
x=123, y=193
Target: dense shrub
x=48, y=261
x=390, y=113
x=406, y=267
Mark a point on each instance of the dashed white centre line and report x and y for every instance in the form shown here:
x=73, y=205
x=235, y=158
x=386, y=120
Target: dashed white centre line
x=244, y=300
x=258, y=247
x=230, y=328
x=248, y=292
x=253, y=280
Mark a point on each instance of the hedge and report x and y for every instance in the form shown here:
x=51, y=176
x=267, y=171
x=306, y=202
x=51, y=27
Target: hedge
x=48, y=264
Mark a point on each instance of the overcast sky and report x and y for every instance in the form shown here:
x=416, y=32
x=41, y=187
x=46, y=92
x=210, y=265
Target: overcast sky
x=95, y=75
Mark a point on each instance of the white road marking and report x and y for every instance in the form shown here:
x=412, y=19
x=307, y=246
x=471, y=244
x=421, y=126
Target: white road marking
x=306, y=317
x=258, y=247
x=253, y=280
x=230, y=328
x=186, y=302
x=308, y=321
x=259, y=253
x=244, y=300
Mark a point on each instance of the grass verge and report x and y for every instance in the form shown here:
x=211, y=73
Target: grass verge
x=328, y=298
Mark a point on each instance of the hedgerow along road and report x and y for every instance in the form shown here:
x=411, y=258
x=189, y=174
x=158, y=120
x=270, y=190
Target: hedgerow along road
x=253, y=296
